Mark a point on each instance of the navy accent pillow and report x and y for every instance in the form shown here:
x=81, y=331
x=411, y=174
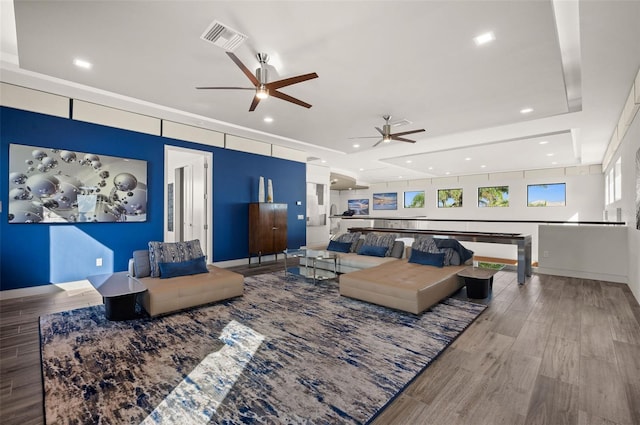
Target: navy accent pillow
x=427, y=258
x=183, y=268
x=339, y=246
x=374, y=251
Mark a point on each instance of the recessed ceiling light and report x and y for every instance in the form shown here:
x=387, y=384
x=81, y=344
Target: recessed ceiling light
x=544, y=142
x=554, y=163
x=362, y=169
x=356, y=145
x=483, y=166
x=526, y=110
x=399, y=177
x=431, y=168
x=550, y=154
x=323, y=161
x=408, y=161
x=485, y=38
x=268, y=119
x=467, y=159
x=448, y=172
x=81, y=63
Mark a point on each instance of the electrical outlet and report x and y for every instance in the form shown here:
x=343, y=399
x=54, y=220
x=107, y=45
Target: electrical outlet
x=300, y=216
x=98, y=262
x=545, y=254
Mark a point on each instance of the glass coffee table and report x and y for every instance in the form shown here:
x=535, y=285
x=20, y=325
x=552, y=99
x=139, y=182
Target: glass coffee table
x=312, y=255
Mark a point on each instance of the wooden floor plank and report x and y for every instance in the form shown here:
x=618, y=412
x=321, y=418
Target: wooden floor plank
x=602, y=391
x=553, y=402
x=561, y=360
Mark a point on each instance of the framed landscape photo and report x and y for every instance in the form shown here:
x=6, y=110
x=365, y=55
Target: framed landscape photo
x=385, y=201
x=358, y=206
x=493, y=196
x=63, y=186
x=547, y=195
x=414, y=199
x=449, y=198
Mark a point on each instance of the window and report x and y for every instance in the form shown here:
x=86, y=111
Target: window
x=606, y=190
x=547, y=195
x=414, y=199
x=617, y=185
x=610, y=198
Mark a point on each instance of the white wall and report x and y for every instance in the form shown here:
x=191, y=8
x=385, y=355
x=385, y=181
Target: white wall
x=591, y=252
x=628, y=150
x=585, y=194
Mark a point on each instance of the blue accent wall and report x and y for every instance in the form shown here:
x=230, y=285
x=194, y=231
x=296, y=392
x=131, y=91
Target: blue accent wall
x=40, y=254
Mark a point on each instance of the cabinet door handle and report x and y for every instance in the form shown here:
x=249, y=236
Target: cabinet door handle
x=274, y=228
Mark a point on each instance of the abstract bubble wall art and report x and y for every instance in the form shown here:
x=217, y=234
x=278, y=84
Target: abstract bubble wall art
x=64, y=186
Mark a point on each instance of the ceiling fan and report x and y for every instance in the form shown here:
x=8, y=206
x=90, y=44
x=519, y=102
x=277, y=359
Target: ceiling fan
x=388, y=136
x=263, y=88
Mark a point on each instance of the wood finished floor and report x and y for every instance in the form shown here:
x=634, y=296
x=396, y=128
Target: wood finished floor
x=554, y=351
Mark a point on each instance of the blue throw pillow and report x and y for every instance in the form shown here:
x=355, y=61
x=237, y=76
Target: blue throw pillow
x=339, y=246
x=427, y=258
x=374, y=251
x=183, y=268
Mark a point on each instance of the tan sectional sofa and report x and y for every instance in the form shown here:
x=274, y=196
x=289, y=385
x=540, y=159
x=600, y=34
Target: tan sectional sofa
x=407, y=286
x=184, y=291
x=351, y=261
x=177, y=293
x=402, y=285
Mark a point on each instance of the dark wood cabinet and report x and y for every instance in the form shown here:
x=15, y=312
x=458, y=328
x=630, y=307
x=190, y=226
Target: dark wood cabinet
x=267, y=229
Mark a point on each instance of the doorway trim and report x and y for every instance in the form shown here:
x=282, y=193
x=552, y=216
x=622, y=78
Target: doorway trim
x=171, y=151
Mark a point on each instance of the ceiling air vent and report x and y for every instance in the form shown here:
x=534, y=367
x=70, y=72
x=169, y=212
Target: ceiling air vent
x=223, y=36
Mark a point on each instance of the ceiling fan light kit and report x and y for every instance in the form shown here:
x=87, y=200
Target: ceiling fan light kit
x=262, y=87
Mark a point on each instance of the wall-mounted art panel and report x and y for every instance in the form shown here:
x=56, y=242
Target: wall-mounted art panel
x=358, y=206
x=449, y=198
x=64, y=186
x=385, y=201
x=493, y=196
x=414, y=199
x=547, y=195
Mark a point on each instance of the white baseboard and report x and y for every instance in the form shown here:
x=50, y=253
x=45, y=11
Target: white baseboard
x=584, y=275
x=80, y=285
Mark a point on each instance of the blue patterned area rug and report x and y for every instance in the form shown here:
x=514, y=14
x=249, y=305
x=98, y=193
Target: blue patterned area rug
x=287, y=352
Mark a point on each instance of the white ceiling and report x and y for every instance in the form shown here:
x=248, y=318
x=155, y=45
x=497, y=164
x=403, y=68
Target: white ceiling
x=414, y=60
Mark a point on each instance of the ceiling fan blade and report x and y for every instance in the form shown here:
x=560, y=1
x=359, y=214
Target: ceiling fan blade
x=244, y=69
x=404, y=133
x=364, y=137
x=289, y=81
x=226, y=88
x=288, y=98
x=379, y=141
x=400, y=139
x=379, y=130
x=254, y=103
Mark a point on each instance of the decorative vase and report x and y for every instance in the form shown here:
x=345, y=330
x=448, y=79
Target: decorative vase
x=269, y=191
x=261, y=189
